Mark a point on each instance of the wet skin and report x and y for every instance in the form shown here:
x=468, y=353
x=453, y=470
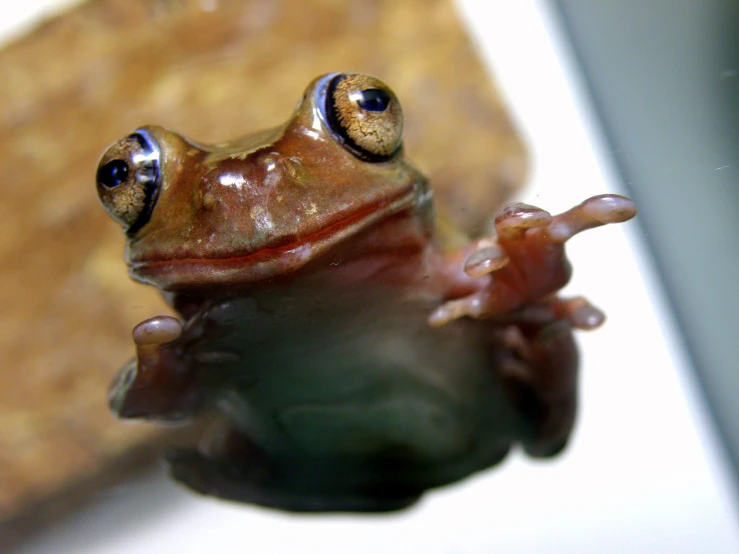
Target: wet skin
x=355, y=351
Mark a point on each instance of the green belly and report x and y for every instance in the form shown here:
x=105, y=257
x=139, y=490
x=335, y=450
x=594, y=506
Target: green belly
x=420, y=428
x=362, y=386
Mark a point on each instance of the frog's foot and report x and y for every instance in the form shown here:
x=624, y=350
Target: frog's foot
x=254, y=481
x=155, y=384
x=543, y=377
x=526, y=259
x=577, y=312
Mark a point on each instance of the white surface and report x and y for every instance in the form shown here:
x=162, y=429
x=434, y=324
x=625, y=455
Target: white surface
x=18, y=17
x=643, y=472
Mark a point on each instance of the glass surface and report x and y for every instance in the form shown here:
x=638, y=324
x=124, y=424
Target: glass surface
x=664, y=75
x=645, y=471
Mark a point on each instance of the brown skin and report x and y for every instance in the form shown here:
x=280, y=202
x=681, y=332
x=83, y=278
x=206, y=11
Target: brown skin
x=357, y=354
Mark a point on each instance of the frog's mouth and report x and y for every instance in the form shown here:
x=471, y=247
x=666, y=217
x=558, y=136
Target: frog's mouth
x=269, y=262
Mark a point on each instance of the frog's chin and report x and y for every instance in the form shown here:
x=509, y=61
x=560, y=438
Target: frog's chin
x=179, y=275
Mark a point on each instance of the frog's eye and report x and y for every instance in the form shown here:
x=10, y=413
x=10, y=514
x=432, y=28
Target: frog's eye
x=365, y=114
x=128, y=179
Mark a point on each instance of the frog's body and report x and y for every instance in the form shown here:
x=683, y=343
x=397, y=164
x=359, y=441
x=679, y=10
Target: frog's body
x=354, y=395
x=356, y=356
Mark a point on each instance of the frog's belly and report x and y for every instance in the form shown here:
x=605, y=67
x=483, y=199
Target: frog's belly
x=414, y=427
x=332, y=379
x=429, y=401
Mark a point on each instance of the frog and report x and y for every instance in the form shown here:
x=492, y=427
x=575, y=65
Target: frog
x=347, y=349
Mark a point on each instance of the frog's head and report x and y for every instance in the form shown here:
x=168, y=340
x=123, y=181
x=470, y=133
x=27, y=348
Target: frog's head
x=268, y=203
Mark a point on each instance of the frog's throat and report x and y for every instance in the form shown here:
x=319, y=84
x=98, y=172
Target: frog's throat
x=265, y=263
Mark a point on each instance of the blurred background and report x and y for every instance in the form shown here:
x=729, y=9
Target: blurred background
x=633, y=97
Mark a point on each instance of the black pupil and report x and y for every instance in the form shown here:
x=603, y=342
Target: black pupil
x=374, y=100
x=113, y=173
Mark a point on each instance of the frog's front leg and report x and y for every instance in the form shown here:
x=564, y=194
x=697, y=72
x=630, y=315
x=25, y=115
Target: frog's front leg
x=526, y=258
x=159, y=383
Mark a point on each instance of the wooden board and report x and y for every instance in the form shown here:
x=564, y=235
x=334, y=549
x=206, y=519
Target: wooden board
x=213, y=70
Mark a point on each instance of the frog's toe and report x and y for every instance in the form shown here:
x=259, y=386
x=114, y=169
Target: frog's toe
x=609, y=208
x=487, y=258
x=579, y=313
x=517, y=218
x=546, y=450
x=190, y=467
x=239, y=481
x=593, y=212
x=156, y=331
x=475, y=305
x=510, y=224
